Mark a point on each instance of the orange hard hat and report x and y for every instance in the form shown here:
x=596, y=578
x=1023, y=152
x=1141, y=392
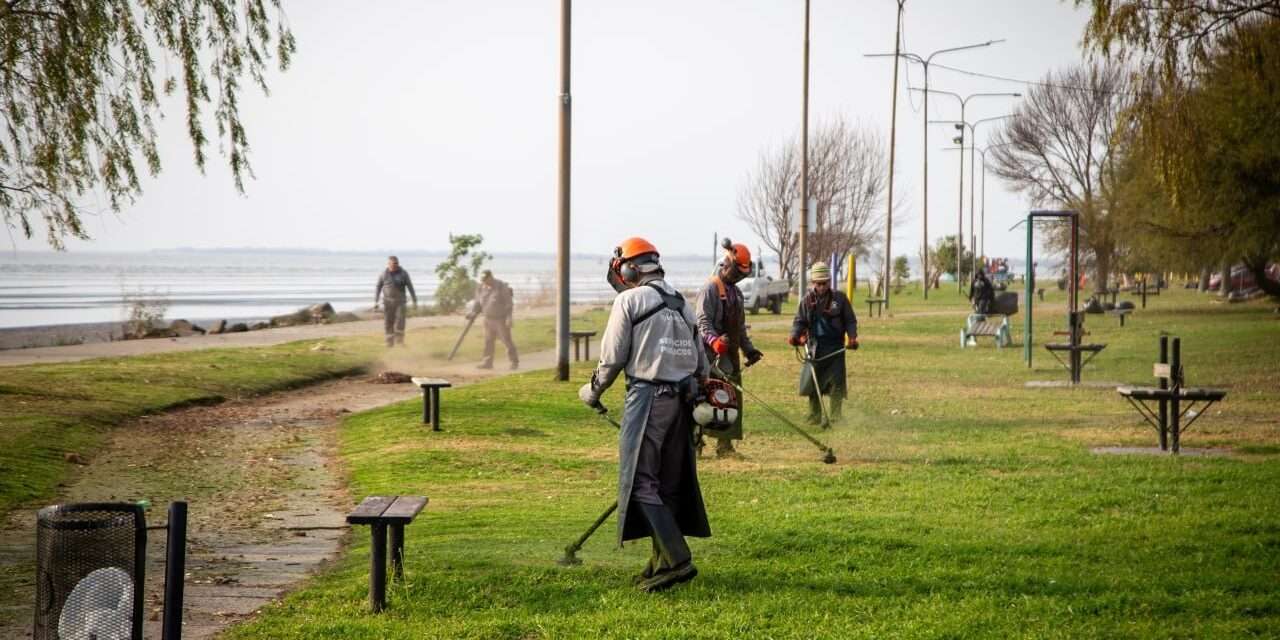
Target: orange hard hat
x=633, y=247
x=741, y=256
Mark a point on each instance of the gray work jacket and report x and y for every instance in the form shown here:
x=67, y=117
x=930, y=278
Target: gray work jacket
x=663, y=348
x=392, y=284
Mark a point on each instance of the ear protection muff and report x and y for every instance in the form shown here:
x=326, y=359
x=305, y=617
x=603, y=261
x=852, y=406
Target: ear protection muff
x=622, y=274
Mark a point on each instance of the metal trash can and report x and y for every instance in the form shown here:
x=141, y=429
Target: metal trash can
x=90, y=567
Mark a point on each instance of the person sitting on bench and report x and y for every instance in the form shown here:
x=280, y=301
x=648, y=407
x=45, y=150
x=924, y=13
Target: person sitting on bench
x=981, y=293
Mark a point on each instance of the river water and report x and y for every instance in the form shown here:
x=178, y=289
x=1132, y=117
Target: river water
x=48, y=288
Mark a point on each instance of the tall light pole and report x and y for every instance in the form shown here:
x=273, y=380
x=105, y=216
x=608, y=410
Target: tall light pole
x=562, y=200
x=964, y=102
x=804, y=159
x=924, y=62
x=983, y=228
x=893, y=146
x=973, y=165
x=982, y=224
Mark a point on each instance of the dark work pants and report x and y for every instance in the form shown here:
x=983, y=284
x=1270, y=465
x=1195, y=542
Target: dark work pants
x=494, y=330
x=393, y=321
x=662, y=451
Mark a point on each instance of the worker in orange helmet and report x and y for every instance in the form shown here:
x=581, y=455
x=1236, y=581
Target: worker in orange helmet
x=722, y=327
x=652, y=337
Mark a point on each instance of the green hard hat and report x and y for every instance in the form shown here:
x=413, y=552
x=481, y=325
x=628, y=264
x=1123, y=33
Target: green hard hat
x=820, y=272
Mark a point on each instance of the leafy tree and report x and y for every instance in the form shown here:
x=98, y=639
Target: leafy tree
x=1207, y=148
x=901, y=270
x=458, y=272
x=80, y=93
x=944, y=256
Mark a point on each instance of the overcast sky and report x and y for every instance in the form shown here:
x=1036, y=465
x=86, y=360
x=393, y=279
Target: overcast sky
x=403, y=121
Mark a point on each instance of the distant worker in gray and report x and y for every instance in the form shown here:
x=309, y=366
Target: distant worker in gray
x=391, y=289
x=495, y=300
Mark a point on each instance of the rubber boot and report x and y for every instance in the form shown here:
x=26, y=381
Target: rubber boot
x=836, y=404
x=655, y=563
x=815, y=410
x=677, y=562
x=724, y=449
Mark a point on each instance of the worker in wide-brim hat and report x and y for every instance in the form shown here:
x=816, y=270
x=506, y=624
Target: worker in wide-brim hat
x=825, y=326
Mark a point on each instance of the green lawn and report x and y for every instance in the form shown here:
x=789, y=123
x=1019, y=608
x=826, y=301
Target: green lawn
x=963, y=505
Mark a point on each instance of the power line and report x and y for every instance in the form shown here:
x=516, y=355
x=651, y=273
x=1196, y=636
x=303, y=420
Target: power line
x=1033, y=83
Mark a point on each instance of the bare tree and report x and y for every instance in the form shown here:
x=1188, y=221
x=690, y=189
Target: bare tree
x=1061, y=149
x=848, y=177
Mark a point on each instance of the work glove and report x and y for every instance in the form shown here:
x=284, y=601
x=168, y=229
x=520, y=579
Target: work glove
x=719, y=345
x=797, y=341
x=590, y=396
x=753, y=356
x=852, y=344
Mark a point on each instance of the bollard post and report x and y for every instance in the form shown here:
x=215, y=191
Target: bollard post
x=175, y=569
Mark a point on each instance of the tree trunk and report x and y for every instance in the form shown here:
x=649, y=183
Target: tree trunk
x=1224, y=287
x=1258, y=266
x=1101, y=270
x=1203, y=285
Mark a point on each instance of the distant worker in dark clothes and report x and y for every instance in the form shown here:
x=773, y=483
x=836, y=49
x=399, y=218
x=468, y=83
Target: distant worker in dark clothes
x=722, y=326
x=822, y=321
x=391, y=289
x=981, y=293
x=496, y=301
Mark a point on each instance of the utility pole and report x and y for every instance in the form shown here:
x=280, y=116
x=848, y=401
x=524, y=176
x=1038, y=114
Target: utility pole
x=562, y=201
x=804, y=160
x=893, y=139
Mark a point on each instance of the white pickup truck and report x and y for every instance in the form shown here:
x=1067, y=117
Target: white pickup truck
x=763, y=292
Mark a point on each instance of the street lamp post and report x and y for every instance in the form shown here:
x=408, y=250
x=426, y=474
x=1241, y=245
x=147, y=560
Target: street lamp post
x=983, y=228
x=973, y=164
x=924, y=62
x=964, y=101
x=982, y=224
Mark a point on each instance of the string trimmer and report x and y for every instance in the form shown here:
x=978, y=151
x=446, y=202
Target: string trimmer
x=571, y=551
x=802, y=355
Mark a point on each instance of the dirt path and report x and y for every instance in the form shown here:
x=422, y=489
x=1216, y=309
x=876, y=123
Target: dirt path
x=266, y=492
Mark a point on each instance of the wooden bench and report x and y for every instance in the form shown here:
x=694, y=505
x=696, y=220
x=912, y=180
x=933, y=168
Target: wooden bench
x=1166, y=417
x=582, y=338
x=431, y=399
x=877, y=304
x=381, y=513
